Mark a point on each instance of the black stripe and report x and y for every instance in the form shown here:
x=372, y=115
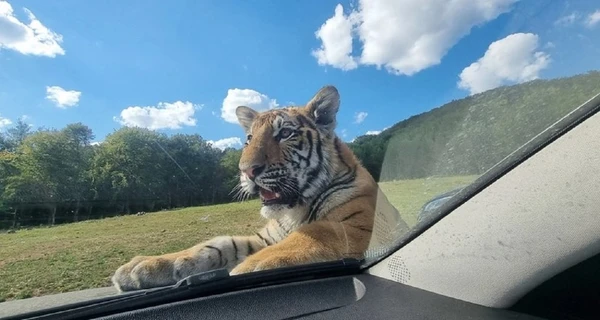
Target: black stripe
x=312, y=174
x=250, y=249
x=263, y=239
x=285, y=232
x=219, y=252
x=306, y=122
x=302, y=158
x=318, y=202
x=351, y=215
x=310, y=150
x=319, y=147
x=300, y=145
x=295, y=163
x=301, y=120
x=315, y=211
x=315, y=206
x=269, y=234
x=235, y=248
x=346, y=179
x=364, y=229
x=339, y=152
x=312, y=216
x=351, y=199
x=309, y=137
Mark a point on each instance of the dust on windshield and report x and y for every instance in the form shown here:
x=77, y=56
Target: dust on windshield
x=142, y=147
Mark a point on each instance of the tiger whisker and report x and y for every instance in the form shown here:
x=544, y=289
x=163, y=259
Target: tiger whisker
x=236, y=187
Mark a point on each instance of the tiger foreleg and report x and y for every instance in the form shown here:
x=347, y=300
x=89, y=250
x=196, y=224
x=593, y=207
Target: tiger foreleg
x=312, y=243
x=154, y=271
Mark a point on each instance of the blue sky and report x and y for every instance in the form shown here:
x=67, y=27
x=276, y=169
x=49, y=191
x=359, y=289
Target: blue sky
x=182, y=66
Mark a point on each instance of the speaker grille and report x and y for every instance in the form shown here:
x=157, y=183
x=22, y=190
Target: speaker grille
x=398, y=270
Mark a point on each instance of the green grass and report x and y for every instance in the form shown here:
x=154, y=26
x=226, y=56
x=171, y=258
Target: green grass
x=84, y=255
x=408, y=196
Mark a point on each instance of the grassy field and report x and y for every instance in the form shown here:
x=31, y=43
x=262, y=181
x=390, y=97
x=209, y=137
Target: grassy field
x=84, y=255
x=408, y=196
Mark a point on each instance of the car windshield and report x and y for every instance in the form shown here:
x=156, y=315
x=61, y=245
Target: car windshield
x=142, y=142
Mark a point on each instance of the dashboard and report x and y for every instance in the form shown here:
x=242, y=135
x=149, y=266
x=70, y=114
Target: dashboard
x=347, y=297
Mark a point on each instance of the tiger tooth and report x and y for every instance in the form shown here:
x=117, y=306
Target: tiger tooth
x=277, y=195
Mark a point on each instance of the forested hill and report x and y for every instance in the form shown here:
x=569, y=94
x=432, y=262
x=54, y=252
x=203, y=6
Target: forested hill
x=470, y=135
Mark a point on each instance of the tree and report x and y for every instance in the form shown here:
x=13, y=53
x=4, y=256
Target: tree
x=15, y=136
x=79, y=134
x=43, y=163
x=230, y=171
x=5, y=144
x=53, y=165
x=129, y=167
x=192, y=166
x=78, y=155
x=7, y=170
x=370, y=150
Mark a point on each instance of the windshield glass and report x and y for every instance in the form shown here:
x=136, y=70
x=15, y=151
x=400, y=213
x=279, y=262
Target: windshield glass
x=143, y=142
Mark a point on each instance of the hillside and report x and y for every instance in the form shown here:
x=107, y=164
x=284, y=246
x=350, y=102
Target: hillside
x=470, y=135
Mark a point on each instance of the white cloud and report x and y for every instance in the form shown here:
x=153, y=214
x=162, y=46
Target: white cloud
x=96, y=143
x=29, y=39
x=244, y=97
x=593, y=19
x=163, y=116
x=336, y=41
x=510, y=60
x=375, y=132
x=61, y=97
x=360, y=117
x=226, y=143
x=404, y=37
x=4, y=122
x=567, y=20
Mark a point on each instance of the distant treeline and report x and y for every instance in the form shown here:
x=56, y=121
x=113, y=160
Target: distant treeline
x=58, y=176
x=51, y=176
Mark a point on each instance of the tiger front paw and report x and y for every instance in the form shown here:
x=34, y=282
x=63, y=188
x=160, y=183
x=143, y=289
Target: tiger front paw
x=267, y=263
x=143, y=273
x=158, y=271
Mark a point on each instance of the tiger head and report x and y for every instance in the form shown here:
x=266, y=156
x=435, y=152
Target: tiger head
x=286, y=158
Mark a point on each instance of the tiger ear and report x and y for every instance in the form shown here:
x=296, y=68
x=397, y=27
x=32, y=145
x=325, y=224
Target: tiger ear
x=323, y=107
x=246, y=117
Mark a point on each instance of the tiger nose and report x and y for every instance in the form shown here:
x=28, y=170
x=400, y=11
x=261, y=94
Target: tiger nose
x=254, y=171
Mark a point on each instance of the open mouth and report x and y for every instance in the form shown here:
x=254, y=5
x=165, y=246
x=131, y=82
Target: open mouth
x=270, y=197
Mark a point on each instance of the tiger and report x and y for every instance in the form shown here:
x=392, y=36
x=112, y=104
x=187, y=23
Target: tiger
x=319, y=200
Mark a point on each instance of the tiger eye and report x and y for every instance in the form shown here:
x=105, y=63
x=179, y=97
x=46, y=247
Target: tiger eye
x=285, y=133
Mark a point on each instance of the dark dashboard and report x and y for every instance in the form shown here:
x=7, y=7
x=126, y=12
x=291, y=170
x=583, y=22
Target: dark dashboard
x=347, y=297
